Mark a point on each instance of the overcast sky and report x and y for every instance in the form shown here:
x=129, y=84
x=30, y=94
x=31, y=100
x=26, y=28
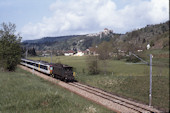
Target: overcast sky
x=40, y=18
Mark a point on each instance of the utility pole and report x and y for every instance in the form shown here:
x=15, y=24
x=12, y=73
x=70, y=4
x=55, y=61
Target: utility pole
x=150, y=88
x=51, y=56
x=150, y=80
x=26, y=53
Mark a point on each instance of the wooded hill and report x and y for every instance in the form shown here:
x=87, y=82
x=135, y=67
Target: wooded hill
x=155, y=35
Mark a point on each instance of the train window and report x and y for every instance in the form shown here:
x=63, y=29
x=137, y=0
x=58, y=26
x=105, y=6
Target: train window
x=68, y=69
x=43, y=67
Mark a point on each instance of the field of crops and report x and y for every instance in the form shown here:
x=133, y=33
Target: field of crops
x=124, y=79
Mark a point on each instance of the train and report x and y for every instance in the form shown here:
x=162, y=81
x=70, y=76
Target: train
x=56, y=70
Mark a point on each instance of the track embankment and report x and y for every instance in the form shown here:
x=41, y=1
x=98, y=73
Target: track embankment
x=98, y=96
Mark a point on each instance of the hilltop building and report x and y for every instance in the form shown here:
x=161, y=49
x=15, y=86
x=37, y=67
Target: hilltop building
x=105, y=32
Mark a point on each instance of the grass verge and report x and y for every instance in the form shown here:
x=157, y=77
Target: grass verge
x=23, y=92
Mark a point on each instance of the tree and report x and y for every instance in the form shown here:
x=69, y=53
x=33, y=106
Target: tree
x=10, y=49
x=32, y=52
x=152, y=43
x=104, y=50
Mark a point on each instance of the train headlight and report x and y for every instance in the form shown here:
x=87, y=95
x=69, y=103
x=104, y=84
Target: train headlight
x=74, y=74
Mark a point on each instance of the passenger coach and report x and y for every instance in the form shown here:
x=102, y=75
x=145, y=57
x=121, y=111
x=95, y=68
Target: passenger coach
x=38, y=65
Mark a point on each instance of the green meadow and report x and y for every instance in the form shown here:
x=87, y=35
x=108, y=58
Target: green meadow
x=23, y=92
x=125, y=79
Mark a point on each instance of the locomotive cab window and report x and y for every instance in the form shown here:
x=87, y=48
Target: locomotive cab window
x=51, y=68
x=68, y=69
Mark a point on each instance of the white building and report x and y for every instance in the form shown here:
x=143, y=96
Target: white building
x=69, y=53
x=45, y=55
x=93, y=34
x=105, y=32
x=148, y=46
x=79, y=53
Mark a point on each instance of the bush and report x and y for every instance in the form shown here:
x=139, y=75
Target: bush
x=119, y=57
x=132, y=59
x=166, y=43
x=92, y=63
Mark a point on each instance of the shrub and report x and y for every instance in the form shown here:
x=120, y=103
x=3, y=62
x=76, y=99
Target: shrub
x=92, y=63
x=132, y=59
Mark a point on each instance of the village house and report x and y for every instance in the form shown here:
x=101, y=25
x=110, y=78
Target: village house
x=79, y=53
x=148, y=46
x=45, y=54
x=92, y=51
x=69, y=53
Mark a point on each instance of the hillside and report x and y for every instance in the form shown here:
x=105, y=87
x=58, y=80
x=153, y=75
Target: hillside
x=155, y=35
x=48, y=39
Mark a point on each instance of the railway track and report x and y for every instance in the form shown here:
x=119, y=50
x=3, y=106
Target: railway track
x=136, y=107
x=101, y=97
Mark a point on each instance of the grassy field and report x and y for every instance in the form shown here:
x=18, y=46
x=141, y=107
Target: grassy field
x=127, y=80
x=22, y=92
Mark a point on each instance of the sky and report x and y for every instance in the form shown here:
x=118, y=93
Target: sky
x=35, y=19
